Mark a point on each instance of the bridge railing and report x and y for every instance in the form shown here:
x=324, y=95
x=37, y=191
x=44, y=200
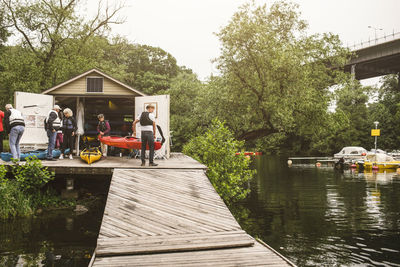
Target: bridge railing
x=375, y=41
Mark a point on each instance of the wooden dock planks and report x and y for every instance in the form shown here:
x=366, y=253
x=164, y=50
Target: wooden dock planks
x=173, y=217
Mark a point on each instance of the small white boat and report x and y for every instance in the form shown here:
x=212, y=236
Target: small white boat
x=351, y=152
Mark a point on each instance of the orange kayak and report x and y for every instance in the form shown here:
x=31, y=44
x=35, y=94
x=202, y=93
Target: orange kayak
x=127, y=142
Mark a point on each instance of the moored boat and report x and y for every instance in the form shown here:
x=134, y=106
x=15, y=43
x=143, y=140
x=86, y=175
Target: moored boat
x=379, y=161
x=128, y=142
x=91, y=155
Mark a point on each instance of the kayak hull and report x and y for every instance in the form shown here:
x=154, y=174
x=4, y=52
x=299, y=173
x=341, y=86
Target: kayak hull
x=127, y=142
x=40, y=154
x=90, y=155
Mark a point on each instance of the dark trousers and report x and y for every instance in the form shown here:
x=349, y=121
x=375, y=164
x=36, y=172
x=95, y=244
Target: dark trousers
x=68, y=141
x=147, y=138
x=1, y=141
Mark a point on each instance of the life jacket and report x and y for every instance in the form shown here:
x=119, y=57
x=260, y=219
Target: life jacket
x=16, y=117
x=68, y=123
x=145, y=119
x=102, y=126
x=56, y=122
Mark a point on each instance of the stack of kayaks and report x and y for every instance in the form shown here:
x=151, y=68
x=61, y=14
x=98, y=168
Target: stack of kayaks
x=40, y=154
x=127, y=142
x=91, y=155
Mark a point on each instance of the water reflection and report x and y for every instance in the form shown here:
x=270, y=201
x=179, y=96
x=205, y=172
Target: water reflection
x=318, y=216
x=57, y=237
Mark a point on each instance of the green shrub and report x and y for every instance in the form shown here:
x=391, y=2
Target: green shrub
x=32, y=176
x=228, y=172
x=13, y=201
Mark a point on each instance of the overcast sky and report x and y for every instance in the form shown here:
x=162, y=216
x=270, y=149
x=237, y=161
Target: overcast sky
x=185, y=27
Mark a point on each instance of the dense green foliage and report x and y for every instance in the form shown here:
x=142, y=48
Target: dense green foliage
x=32, y=176
x=25, y=193
x=216, y=148
x=274, y=90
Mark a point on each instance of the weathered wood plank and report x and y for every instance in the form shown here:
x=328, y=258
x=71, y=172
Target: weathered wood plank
x=168, y=217
x=255, y=255
x=172, y=243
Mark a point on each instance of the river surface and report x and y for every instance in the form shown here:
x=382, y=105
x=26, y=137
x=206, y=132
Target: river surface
x=56, y=237
x=313, y=216
x=322, y=217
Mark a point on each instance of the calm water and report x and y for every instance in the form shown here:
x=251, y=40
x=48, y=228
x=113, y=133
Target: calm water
x=321, y=217
x=56, y=238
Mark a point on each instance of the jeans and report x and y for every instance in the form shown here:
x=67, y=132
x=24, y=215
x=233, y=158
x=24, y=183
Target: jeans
x=52, y=143
x=147, y=138
x=15, y=136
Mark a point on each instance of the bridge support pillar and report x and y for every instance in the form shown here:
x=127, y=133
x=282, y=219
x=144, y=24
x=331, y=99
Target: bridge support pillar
x=353, y=71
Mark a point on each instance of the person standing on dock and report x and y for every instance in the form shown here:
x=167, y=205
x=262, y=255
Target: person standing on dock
x=15, y=126
x=69, y=128
x=52, y=125
x=148, y=133
x=103, y=128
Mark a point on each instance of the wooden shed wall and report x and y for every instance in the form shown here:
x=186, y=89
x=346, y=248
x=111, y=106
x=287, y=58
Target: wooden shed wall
x=78, y=87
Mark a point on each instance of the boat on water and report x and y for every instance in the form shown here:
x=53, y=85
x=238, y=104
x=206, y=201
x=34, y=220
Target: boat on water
x=91, y=155
x=127, y=142
x=378, y=161
x=351, y=152
x=40, y=154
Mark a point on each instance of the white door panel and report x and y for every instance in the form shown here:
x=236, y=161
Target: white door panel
x=161, y=103
x=34, y=108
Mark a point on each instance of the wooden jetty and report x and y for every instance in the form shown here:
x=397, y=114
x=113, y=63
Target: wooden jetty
x=173, y=217
x=168, y=215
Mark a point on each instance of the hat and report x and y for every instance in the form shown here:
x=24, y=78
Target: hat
x=57, y=107
x=149, y=106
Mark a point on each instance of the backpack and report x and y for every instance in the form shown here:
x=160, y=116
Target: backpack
x=145, y=120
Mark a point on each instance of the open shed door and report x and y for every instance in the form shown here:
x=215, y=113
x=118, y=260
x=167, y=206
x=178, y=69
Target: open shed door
x=161, y=112
x=34, y=108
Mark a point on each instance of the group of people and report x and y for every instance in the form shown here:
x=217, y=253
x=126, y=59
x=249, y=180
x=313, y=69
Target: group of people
x=61, y=128
x=63, y=123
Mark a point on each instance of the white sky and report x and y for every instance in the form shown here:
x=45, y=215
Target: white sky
x=185, y=28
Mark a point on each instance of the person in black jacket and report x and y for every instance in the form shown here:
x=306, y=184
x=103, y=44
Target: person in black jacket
x=147, y=122
x=69, y=128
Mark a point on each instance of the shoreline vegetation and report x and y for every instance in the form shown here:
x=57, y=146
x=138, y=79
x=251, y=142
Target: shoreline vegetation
x=25, y=192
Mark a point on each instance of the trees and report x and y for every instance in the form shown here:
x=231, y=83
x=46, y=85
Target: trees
x=47, y=28
x=387, y=111
x=280, y=74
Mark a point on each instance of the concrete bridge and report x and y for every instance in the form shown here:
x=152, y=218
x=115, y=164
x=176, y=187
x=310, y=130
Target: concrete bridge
x=376, y=57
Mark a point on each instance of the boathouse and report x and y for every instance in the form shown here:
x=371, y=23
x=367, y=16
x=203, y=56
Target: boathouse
x=89, y=94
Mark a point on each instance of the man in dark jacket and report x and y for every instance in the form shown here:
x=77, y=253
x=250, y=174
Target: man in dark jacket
x=148, y=133
x=53, y=124
x=15, y=126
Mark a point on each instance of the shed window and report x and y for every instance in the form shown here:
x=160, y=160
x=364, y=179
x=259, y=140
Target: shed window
x=94, y=85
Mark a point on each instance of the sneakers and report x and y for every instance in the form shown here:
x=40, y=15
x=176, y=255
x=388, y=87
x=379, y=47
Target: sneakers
x=70, y=156
x=143, y=164
x=153, y=164
x=61, y=157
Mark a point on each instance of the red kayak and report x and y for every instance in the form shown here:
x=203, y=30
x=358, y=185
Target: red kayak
x=128, y=142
